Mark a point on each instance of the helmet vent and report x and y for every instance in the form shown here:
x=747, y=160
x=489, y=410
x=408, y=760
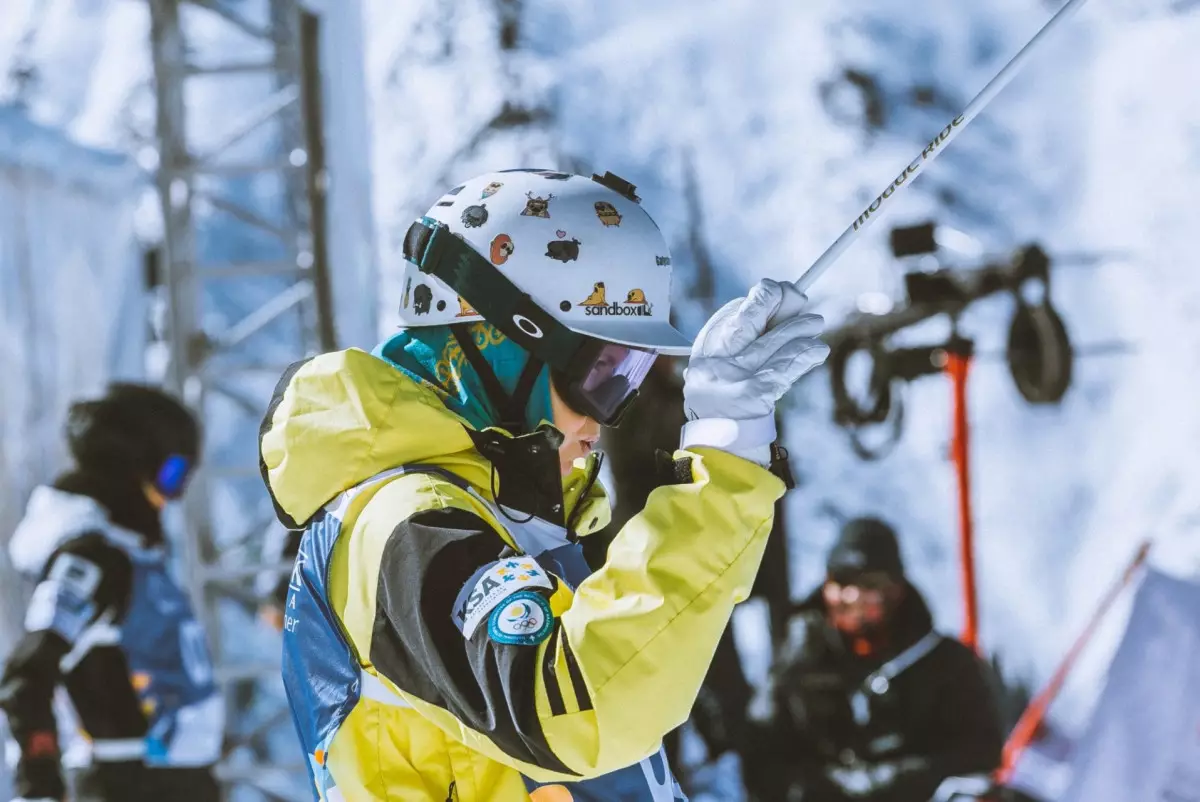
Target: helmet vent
x=618, y=185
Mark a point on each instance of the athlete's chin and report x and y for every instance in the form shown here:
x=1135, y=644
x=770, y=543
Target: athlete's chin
x=569, y=452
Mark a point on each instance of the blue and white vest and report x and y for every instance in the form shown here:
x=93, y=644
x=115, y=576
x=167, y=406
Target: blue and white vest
x=172, y=671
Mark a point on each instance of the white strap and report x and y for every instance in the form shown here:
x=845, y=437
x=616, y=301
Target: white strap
x=533, y=536
x=903, y=661
x=101, y=633
x=337, y=508
x=118, y=750
x=372, y=687
x=878, y=681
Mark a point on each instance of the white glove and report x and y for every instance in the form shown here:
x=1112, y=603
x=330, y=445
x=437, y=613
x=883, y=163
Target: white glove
x=745, y=358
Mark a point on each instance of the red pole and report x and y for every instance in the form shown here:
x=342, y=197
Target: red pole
x=958, y=365
x=1031, y=720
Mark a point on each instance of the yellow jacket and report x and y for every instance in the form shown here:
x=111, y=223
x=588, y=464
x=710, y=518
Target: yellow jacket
x=393, y=698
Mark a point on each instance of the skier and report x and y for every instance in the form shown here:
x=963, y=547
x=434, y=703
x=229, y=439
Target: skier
x=107, y=621
x=871, y=703
x=443, y=638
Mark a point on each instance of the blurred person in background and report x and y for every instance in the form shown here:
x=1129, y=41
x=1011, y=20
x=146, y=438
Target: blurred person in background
x=107, y=621
x=6, y=789
x=444, y=638
x=870, y=702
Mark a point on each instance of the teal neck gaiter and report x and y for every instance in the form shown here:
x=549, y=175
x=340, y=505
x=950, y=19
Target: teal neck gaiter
x=432, y=355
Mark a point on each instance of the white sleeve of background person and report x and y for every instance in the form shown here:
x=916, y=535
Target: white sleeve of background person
x=63, y=601
x=1143, y=742
x=7, y=753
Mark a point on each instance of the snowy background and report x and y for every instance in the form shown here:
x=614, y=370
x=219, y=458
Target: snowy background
x=755, y=132
x=756, y=106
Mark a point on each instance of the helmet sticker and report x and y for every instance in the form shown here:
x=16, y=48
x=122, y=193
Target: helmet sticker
x=635, y=303
x=464, y=309
x=597, y=296
x=407, y=293
x=502, y=248
x=537, y=206
x=490, y=190
x=422, y=298
x=563, y=250
x=475, y=216
x=560, y=233
x=608, y=214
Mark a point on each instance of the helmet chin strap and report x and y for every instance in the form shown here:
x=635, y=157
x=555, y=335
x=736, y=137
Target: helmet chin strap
x=510, y=408
x=526, y=462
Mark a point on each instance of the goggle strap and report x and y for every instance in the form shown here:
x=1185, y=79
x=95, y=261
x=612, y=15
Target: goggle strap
x=505, y=405
x=436, y=251
x=524, y=389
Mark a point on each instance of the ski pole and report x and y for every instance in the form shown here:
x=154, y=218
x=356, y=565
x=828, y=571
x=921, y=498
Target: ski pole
x=933, y=149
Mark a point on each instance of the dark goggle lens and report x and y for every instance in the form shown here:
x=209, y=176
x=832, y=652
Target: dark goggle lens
x=609, y=377
x=173, y=476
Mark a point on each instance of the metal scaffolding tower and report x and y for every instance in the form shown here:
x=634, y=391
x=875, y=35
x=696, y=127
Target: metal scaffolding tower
x=246, y=292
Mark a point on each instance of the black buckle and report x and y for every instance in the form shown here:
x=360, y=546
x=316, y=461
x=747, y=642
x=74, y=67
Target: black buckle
x=780, y=467
x=618, y=185
x=528, y=468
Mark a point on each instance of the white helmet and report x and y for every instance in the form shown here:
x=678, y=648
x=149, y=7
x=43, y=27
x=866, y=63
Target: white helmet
x=583, y=249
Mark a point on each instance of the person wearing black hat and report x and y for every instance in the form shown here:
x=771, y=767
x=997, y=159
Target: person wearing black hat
x=107, y=621
x=869, y=701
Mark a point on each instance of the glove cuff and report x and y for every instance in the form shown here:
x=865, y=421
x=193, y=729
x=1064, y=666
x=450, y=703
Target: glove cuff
x=749, y=439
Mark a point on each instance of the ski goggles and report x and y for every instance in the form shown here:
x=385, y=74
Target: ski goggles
x=837, y=595
x=604, y=379
x=173, y=476
x=595, y=378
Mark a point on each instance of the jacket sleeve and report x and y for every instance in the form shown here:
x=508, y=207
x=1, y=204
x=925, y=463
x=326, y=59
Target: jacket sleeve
x=628, y=649
x=70, y=639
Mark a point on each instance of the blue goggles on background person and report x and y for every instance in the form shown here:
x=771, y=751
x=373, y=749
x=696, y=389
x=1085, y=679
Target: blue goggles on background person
x=173, y=476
